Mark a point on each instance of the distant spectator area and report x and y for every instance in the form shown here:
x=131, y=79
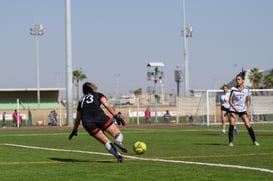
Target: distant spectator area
x=49, y=98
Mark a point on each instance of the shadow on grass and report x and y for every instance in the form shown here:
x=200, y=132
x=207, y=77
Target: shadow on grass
x=213, y=144
x=77, y=160
x=209, y=133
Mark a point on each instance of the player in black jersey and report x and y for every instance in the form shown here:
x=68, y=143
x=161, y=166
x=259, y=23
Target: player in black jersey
x=95, y=121
x=239, y=101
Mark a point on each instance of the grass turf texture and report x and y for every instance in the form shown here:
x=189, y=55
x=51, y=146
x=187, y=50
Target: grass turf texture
x=191, y=144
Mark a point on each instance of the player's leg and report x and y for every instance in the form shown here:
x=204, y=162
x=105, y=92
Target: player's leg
x=236, y=131
x=250, y=130
x=232, y=120
x=101, y=137
x=224, y=118
x=114, y=131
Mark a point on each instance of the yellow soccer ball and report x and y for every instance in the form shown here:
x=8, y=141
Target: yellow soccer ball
x=140, y=147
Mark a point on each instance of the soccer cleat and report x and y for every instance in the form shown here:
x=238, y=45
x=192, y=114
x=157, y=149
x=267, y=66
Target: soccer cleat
x=256, y=143
x=230, y=144
x=223, y=133
x=120, y=159
x=121, y=147
x=236, y=131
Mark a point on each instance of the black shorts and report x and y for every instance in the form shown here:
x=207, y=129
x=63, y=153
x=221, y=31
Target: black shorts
x=94, y=126
x=224, y=109
x=239, y=113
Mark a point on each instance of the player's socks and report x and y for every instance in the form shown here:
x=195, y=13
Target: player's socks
x=118, y=142
x=119, y=137
x=252, y=134
x=121, y=147
x=230, y=133
x=111, y=149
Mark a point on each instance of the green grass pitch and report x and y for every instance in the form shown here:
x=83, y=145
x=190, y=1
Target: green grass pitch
x=174, y=153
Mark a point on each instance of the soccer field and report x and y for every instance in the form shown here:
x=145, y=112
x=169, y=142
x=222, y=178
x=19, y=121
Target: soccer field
x=174, y=153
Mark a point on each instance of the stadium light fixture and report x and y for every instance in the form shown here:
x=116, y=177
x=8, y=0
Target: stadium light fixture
x=37, y=30
x=155, y=64
x=155, y=76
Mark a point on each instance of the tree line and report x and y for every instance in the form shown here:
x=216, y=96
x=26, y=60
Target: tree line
x=257, y=77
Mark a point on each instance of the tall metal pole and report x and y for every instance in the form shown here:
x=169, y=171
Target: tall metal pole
x=18, y=114
x=156, y=96
x=37, y=30
x=68, y=50
x=38, y=71
x=116, y=87
x=178, y=78
x=187, y=32
x=177, y=85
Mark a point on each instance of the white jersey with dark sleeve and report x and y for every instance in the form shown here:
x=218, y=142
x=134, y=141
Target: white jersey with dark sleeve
x=224, y=100
x=239, y=99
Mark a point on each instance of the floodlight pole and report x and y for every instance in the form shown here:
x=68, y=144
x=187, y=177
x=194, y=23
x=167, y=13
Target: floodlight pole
x=187, y=33
x=69, y=72
x=116, y=87
x=37, y=30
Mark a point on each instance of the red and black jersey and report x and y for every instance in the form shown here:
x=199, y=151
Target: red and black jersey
x=90, y=107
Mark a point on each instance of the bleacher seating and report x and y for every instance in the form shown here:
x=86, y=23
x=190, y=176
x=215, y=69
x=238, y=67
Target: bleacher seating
x=27, y=98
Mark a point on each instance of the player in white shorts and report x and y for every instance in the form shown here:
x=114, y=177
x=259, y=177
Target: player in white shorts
x=224, y=98
x=239, y=101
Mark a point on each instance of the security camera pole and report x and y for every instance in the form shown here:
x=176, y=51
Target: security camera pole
x=155, y=76
x=37, y=30
x=178, y=78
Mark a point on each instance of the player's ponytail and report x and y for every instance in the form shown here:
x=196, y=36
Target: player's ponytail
x=242, y=74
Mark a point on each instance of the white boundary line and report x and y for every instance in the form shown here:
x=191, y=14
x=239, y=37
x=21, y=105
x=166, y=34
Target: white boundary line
x=145, y=159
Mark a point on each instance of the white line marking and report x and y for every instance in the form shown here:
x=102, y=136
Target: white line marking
x=145, y=159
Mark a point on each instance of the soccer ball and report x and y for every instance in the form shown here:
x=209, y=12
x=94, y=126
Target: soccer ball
x=140, y=147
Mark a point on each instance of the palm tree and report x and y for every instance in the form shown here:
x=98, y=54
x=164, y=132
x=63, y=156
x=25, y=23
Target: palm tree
x=255, y=77
x=78, y=76
x=268, y=80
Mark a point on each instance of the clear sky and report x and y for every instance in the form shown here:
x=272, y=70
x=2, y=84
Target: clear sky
x=113, y=40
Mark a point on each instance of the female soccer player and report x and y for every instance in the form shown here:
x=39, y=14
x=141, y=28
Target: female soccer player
x=224, y=99
x=239, y=101
x=95, y=121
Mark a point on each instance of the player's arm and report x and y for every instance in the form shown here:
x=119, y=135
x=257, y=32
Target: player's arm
x=248, y=104
x=107, y=105
x=230, y=101
x=78, y=120
x=76, y=125
x=111, y=110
